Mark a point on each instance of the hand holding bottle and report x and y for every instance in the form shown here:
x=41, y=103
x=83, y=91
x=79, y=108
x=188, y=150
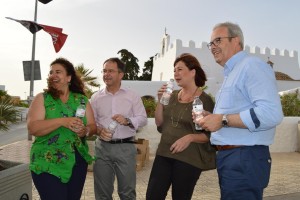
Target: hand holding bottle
x=112, y=126
x=106, y=134
x=73, y=123
x=197, y=111
x=167, y=93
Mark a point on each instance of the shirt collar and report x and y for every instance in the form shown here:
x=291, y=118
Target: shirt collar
x=229, y=65
x=120, y=89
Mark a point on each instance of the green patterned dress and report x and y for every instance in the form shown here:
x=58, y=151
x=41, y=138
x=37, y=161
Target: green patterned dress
x=55, y=153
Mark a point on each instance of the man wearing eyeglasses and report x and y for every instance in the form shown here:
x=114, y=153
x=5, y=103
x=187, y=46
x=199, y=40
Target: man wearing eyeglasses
x=246, y=113
x=114, y=151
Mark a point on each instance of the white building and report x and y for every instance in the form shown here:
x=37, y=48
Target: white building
x=284, y=63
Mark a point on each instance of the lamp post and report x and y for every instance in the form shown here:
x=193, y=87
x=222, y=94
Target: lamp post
x=33, y=57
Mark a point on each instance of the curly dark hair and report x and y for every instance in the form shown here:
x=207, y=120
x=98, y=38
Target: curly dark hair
x=76, y=85
x=192, y=63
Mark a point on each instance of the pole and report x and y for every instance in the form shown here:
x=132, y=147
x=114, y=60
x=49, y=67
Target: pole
x=32, y=64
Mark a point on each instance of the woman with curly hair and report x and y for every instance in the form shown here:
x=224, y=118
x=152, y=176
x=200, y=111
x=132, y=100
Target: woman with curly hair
x=59, y=155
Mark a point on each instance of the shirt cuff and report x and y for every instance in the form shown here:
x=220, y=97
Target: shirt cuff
x=247, y=120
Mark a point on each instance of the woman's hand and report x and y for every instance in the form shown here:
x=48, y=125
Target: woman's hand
x=181, y=144
x=161, y=91
x=73, y=123
x=76, y=125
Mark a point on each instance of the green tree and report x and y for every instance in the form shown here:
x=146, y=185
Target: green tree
x=147, y=70
x=131, y=62
x=8, y=113
x=88, y=80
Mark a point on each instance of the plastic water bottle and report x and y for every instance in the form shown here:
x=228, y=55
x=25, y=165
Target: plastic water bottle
x=197, y=110
x=80, y=112
x=112, y=126
x=167, y=94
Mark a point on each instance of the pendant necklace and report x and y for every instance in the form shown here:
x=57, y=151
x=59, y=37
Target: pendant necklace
x=181, y=112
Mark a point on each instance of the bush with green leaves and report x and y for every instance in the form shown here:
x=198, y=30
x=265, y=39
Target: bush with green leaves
x=9, y=114
x=150, y=105
x=291, y=104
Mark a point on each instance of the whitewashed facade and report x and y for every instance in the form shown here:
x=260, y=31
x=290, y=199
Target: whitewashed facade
x=283, y=61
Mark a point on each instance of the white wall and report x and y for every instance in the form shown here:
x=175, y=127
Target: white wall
x=286, y=138
x=145, y=87
x=284, y=61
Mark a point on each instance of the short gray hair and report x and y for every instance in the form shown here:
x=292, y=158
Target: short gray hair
x=234, y=30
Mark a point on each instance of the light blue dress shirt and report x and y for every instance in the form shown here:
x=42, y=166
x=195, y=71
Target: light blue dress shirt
x=250, y=89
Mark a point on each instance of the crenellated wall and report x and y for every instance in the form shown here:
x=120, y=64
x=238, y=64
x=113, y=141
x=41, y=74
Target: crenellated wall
x=283, y=61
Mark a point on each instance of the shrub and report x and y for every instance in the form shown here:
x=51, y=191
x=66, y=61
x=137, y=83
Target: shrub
x=290, y=104
x=150, y=105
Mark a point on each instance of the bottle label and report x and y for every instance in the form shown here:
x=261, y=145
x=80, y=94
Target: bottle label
x=80, y=112
x=197, y=108
x=112, y=125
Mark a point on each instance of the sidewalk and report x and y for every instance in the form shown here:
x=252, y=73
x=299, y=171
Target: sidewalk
x=284, y=183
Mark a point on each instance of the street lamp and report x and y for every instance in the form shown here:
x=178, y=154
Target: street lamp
x=33, y=50
x=33, y=56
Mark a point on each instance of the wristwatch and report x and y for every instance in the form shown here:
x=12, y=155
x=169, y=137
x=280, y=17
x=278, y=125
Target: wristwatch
x=224, y=121
x=129, y=123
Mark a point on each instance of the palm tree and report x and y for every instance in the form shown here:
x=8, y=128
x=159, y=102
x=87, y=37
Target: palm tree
x=8, y=113
x=3, y=94
x=89, y=81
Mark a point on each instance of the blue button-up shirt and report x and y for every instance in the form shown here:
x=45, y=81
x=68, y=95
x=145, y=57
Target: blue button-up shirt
x=249, y=89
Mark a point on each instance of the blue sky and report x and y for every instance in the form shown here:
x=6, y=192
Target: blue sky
x=98, y=29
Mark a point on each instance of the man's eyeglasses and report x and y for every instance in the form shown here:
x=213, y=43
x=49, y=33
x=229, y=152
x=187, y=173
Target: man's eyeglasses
x=109, y=71
x=216, y=42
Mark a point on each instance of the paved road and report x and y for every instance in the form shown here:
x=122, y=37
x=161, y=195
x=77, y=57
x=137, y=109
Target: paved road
x=293, y=196
x=15, y=133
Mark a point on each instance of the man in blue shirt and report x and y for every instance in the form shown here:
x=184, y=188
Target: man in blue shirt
x=246, y=113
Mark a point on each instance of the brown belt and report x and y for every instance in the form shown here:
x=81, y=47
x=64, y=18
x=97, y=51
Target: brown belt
x=227, y=147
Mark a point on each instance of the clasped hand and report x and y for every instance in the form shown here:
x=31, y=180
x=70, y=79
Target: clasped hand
x=76, y=125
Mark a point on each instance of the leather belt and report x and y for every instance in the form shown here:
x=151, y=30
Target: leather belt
x=227, y=147
x=120, y=141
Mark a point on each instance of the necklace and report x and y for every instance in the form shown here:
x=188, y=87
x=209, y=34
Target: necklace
x=189, y=98
x=175, y=120
x=179, y=116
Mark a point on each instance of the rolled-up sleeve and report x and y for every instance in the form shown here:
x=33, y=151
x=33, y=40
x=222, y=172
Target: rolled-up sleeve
x=139, y=118
x=261, y=89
